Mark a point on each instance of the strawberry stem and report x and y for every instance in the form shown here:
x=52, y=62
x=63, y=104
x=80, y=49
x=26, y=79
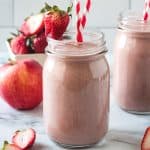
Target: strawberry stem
x=4, y=145
x=11, y=62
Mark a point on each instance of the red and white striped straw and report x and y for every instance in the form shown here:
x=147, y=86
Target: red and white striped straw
x=86, y=10
x=146, y=9
x=81, y=20
x=79, y=36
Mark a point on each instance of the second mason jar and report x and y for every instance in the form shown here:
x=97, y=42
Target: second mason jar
x=131, y=74
x=76, y=90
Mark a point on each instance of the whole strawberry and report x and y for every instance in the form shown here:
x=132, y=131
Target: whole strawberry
x=56, y=21
x=18, y=44
x=39, y=43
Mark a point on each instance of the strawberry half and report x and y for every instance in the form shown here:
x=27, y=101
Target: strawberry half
x=8, y=146
x=24, y=139
x=18, y=44
x=56, y=21
x=33, y=25
x=145, y=144
x=39, y=43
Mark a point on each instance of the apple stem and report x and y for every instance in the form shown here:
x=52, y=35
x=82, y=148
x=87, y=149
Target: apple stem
x=11, y=61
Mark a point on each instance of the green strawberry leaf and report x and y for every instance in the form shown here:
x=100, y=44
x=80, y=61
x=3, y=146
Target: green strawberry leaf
x=46, y=8
x=9, y=40
x=69, y=9
x=14, y=34
x=55, y=8
x=25, y=19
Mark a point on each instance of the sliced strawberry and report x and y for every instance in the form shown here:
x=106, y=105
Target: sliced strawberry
x=8, y=146
x=56, y=24
x=18, y=45
x=33, y=25
x=39, y=43
x=145, y=144
x=24, y=139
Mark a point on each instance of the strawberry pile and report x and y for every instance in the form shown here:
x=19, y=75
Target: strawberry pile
x=32, y=35
x=21, y=140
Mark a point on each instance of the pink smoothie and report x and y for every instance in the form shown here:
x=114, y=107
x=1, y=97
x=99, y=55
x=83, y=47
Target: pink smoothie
x=132, y=70
x=76, y=97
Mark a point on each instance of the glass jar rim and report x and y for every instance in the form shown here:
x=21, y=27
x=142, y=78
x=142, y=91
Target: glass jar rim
x=94, y=43
x=131, y=20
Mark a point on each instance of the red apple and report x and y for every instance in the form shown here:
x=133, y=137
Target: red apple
x=21, y=83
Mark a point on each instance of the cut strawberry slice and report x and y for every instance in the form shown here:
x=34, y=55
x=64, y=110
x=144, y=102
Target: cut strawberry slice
x=24, y=138
x=145, y=144
x=8, y=146
x=33, y=25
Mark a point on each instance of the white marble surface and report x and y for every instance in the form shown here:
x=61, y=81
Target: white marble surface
x=125, y=130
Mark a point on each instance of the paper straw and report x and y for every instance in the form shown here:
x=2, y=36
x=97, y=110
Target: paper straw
x=79, y=36
x=146, y=9
x=86, y=10
x=81, y=20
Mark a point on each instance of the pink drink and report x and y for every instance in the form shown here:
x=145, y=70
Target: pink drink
x=132, y=64
x=76, y=92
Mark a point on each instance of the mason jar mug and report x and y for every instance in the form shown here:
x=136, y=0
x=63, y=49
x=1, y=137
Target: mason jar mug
x=131, y=72
x=76, y=90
